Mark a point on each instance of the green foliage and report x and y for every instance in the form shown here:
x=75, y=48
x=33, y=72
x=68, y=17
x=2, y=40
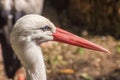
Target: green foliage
x=86, y=76
x=118, y=47
x=81, y=51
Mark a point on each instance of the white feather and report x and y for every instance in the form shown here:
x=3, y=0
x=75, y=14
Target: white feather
x=25, y=39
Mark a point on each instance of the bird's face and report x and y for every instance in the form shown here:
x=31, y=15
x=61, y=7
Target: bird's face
x=34, y=28
x=40, y=29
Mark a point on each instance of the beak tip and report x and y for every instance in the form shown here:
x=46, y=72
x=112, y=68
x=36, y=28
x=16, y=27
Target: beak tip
x=107, y=51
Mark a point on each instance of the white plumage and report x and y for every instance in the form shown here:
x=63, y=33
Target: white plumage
x=25, y=39
x=10, y=11
x=29, y=32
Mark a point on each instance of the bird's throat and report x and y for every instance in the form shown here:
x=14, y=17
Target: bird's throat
x=33, y=61
x=36, y=74
x=37, y=69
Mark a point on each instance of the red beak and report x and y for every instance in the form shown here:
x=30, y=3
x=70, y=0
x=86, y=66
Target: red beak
x=66, y=37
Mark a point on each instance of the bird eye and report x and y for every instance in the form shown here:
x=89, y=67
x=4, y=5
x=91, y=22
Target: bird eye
x=46, y=28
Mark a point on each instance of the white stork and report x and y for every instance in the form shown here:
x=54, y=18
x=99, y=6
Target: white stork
x=10, y=11
x=32, y=30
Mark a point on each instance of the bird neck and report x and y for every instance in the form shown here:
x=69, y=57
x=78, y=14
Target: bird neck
x=36, y=74
x=33, y=61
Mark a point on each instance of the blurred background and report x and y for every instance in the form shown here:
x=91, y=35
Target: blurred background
x=95, y=20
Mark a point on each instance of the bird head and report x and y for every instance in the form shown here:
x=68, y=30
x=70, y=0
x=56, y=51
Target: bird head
x=39, y=29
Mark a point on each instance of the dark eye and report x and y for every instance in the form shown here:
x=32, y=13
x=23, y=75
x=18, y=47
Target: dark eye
x=46, y=28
